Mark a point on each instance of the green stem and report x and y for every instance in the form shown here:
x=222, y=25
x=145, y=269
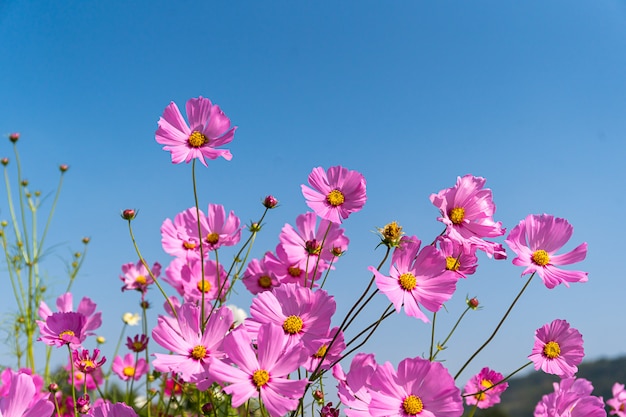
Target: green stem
x=443, y=344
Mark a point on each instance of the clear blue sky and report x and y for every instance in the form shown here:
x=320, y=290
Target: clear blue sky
x=530, y=95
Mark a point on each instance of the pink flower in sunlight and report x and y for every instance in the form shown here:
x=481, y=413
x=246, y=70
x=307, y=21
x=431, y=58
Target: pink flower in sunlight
x=286, y=270
x=571, y=398
x=93, y=379
x=107, y=409
x=86, y=363
x=416, y=278
x=126, y=368
x=180, y=237
x=8, y=376
x=23, y=399
x=208, y=129
x=137, y=277
x=558, y=349
x=353, y=388
x=303, y=314
x=191, y=349
x=258, y=277
x=536, y=239
x=137, y=344
x=219, y=230
x=325, y=355
x=419, y=387
x=86, y=307
x=336, y=193
x=186, y=278
x=481, y=390
x=617, y=404
x=460, y=260
x=467, y=211
x=262, y=372
x=60, y=329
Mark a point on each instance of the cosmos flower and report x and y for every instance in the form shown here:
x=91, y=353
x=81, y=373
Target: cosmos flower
x=336, y=193
x=571, y=398
x=23, y=399
x=536, y=239
x=208, y=129
x=481, y=390
x=312, y=363
x=467, y=210
x=137, y=277
x=558, y=349
x=218, y=229
x=419, y=387
x=179, y=238
x=617, y=404
x=86, y=307
x=127, y=369
x=137, y=344
x=258, y=277
x=60, y=329
x=353, y=387
x=86, y=363
x=107, y=409
x=460, y=260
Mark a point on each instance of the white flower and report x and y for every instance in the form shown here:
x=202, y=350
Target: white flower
x=239, y=315
x=131, y=319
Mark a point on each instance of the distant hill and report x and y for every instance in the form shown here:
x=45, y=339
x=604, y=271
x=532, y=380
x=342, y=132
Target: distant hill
x=523, y=394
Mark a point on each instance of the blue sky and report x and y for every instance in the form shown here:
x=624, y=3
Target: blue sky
x=530, y=95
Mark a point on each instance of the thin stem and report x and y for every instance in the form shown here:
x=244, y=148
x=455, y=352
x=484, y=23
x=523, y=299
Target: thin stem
x=432, y=338
x=443, y=344
x=195, y=198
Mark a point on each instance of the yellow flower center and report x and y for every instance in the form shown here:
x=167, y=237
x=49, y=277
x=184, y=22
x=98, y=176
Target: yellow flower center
x=552, y=350
x=292, y=325
x=196, y=139
x=265, y=281
x=198, y=352
x=137, y=346
x=260, y=377
x=87, y=363
x=321, y=351
x=541, y=257
x=407, y=281
x=480, y=396
x=486, y=383
x=189, y=245
x=141, y=280
x=412, y=405
x=335, y=198
x=129, y=371
x=452, y=263
x=392, y=231
x=66, y=333
x=294, y=271
x=204, y=286
x=212, y=238
x=457, y=215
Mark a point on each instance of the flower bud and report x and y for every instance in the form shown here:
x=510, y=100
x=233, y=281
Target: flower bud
x=86, y=240
x=318, y=395
x=24, y=183
x=4, y=223
x=14, y=137
x=207, y=409
x=129, y=214
x=472, y=303
x=270, y=202
x=100, y=340
x=63, y=167
x=82, y=404
x=4, y=161
x=255, y=227
x=53, y=387
x=391, y=234
x=144, y=305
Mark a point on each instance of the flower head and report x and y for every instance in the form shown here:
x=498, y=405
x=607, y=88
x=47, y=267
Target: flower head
x=137, y=277
x=137, y=344
x=617, y=404
x=126, y=368
x=482, y=390
x=336, y=193
x=536, y=239
x=571, y=398
x=208, y=129
x=107, y=409
x=86, y=363
x=131, y=319
x=23, y=397
x=558, y=349
x=61, y=329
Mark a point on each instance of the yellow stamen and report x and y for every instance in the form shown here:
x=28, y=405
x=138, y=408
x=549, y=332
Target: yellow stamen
x=265, y=281
x=189, y=245
x=294, y=271
x=407, y=281
x=293, y=325
x=321, y=351
x=412, y=405
x=141, y=280
x=198, y=352
x=541, y=257
x=204, y=286
x=457, y=215
x=212, y=238
x=551, y=350
x=260, y=377
x=452, y=263
x=66, y=333
x=335, y=198
x=197, y=139
x=137, y=346
x=486, y=383
x=129, y=371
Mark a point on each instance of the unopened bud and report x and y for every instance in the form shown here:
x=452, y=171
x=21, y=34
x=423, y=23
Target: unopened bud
x=255, y=227
x=83, y=405
x=14, y=137
x=473, y=303
x=86, y=240
x=24, y=183
x=129, y=214
x=144, y=304
x=53, y=387
x=207, y=409
x=37, y=193
x=318, y=395
x=270, y=202
x=4, y=161
x=63, y=167
x=100, y=340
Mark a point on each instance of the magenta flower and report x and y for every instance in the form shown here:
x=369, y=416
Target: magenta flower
x=219, y=230
x=336, y=193
x=558, y=349
x=61, y=329
x=329, y=355
x=264, y=372
x=571, y=398
x=536, y=239
x=460, y=261
x=416, y=279
x=191, y=349
x=208, y=129
x=86, y=363
x=258, y=277
x=186, y=278
x=107, y=409
x=419, y=387
x=467, y=211
x=127, y=369
x=180, y=237
x=93, y=380
x=137, y=277
x=23, y=399
x=481, y=390
x=285, y=270
x=303, y=314
x=617, y=404
x=353, y=388
x=137, y=344
x=86, y=307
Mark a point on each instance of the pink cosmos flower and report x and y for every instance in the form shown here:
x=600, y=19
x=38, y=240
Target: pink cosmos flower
x=86, y=307
x=258, y=277
x=419, y=387
x=336, y=193
x=86, y=363
x=481, y=390
x=191, y=349
x=208, y=129
x=571, y=398
x=264, y=372
x=303, y=314
x=137, y=344
x=558, y=349
x=7, y=376
x=127, y=369
x=93, y=380
x=24, y=399
x=285, y=270
x=460, y=260
x=107, y=409
x=180, y=237
x=62, y=329
x=329, y=355
x=617, y=404
x=219, y=230
x=536, y=239
x=137, y=277
x=186, y=278
x=353, y=388
x=467, y=211
x=416, y=279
